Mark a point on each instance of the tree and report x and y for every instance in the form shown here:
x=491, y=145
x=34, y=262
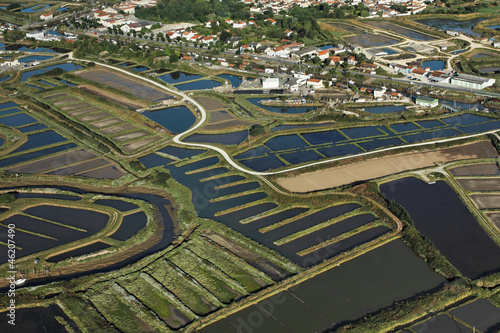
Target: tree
x=173, y=57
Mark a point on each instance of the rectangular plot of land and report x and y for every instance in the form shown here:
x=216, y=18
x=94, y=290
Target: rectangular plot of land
x=133, y=146
x=107, y=122
x=107, y=172
x=123, y=83
x=494, y=218
x=53, y=162
x=75, y=106
x=66, y=101
x=129, y=136
x=482, y=169
x=118, y=129
x=95, y=116
x=481, y=314
x=59, y=95
x=83, y=111
x=80, y=167
x=486, y=201
x=478, y=185
x=210, y=104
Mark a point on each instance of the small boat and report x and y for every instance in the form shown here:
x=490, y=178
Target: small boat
x=19, y=282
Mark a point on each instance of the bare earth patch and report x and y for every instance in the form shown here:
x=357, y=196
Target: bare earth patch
x=482, y=184
x=107, y=172
x=129, y=136
x=83, y=111
x=54, y=96
x=482, y=169
x=494, y=218
x=95, y=116
x=80, y=167
x=75, y=106
x=118, y=128
x=384, y=166
x=133, y=146
x=210, y=104
x=66, y=101
x=115, y=98
x=107, y=122
x=486, y=201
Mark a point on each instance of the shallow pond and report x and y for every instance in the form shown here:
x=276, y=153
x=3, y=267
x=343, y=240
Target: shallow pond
x=440, y=215
x=434, y=65
x=175, y=119
x=447, y=24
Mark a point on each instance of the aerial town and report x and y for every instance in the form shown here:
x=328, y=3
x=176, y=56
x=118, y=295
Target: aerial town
x=244, y=166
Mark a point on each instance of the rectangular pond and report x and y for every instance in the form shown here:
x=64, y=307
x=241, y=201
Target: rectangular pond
x=361, y=286
x=198, y=85
x=439, y=214
x=179, y=77
x=175, y=119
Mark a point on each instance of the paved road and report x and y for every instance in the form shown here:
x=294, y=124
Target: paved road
x=178, y=138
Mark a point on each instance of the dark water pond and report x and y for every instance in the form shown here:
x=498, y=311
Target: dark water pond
x=235, y=80
x=17, y=120
x=118, y=204
x=280, y=109
x=285, y=142
x=39, y=140
x=176, y=119
x=153, y=160
x=481, y=314
x=405, y=127
x=177, y=77
x=198, y=85
x=434, y=65
x=34, y=58
x=226, y=139
x=131, y=224
x=383, y=276
x=439, y=214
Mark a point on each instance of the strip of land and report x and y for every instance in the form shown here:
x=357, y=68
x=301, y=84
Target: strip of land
x=384, y=166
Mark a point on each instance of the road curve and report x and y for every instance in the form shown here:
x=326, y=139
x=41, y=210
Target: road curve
x=203, y=112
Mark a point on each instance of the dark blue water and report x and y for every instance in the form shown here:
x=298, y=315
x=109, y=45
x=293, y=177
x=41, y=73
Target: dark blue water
x=121, y=205
x=384, y=109
x=465, y=120
x=61, y=9
x=254, y=152
x=235, y=80
x=287, y=127
x=32, y=128
x=325, y=47
x=406, y=127
x=318, y=138
x=34, y=58
x=65, y=67
x=140, y=68
x=198, y=85
x=285, y=142
x=362, y=132
x=269, y=162
x=298, y=157
x=153, y=160
x=5, y=78
x=19, y=119
x=9, y=111
x=39, y=140
x=430, y=123
x=279, y=109
x=381, y=143
x=178, y=77
x=131, y=224
x=434, y=65
x=437, y=134
x=340, y=150
x=225, y=139
x=29, y=74
x=493, y=26
x=175, y=119
x=7, y=105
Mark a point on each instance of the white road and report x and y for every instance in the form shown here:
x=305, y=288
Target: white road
x=203, y=113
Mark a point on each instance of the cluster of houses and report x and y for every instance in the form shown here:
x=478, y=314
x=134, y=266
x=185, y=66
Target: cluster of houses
x=375, y=7
x=457, y=79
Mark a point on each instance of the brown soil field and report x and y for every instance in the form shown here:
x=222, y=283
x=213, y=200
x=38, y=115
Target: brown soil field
x=114, y=98
x=107, y=122
x=83, y=111
x=118, y=128
x=210, y=104
x=216, y=116
x=486, y=201
x=482, y=184
x=133, y=146
x=66, y=101
x=95, y=116
x=54, y=96
x=107, y=172
x=383, y=166
x=53, y=162
x=75, y=106
x=80, y=167
x=482, y=169
x=129, y=136
x=494, y=218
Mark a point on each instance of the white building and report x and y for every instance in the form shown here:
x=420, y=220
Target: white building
x=471, y=81
x=270, y=83
x=427, y=102
x=315, y=83
x=47, y=16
